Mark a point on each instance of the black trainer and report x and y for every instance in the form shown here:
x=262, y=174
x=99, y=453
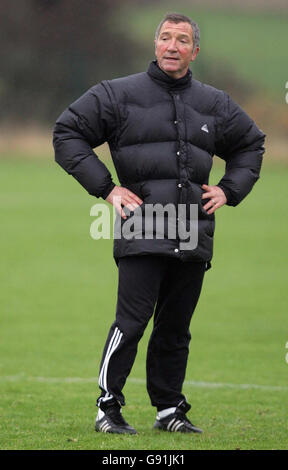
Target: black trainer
x=177, y=421
x=113, y=421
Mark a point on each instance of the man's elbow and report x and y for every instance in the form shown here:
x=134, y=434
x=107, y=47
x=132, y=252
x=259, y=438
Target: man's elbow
x=259, y=140
x=60, y=148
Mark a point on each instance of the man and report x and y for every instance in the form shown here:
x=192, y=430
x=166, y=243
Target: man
x=162, y=127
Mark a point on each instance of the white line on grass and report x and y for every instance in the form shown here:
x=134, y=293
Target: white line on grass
x=190, y=383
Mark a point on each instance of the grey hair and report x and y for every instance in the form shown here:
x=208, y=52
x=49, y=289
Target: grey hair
x=178, y=18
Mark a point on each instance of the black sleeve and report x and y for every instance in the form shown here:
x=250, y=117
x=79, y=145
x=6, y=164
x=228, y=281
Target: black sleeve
x=241, y=144
x=87, y=123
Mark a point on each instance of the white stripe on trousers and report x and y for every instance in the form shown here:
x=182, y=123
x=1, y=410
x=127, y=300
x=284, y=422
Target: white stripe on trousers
x=107, y=356
x=114, y=343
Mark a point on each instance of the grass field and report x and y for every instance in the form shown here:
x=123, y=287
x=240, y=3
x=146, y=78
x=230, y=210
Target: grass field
x=57, y=301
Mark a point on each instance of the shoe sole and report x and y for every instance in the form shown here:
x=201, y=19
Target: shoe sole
x=158, y=427
x=120, y=431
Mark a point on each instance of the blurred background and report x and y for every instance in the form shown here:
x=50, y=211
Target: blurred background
x=53, y=50
x=58, y=286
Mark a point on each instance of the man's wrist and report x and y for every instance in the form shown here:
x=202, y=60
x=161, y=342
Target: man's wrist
x=108, y=190
x=227, y=193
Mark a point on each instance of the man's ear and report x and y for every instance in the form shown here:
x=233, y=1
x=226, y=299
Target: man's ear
x=155, y=43
x=195, y=53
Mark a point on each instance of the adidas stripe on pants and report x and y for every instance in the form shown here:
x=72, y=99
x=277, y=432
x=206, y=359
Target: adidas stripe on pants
x=170, y=289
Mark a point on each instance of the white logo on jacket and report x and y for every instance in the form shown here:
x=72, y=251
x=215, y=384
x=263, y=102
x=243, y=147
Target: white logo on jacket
x=205, y=128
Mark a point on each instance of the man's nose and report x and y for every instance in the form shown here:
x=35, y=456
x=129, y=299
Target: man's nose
x=172, y=46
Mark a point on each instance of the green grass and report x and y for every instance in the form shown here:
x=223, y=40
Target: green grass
x=57, y=301
x=254, y=42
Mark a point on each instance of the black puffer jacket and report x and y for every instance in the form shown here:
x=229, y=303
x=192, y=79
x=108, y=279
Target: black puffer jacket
x=162, y=135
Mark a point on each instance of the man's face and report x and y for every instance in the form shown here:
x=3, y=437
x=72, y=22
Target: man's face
x=174, y=48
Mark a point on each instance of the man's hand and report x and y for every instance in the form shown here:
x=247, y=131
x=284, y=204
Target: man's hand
x=120, y=196
x=216, y=196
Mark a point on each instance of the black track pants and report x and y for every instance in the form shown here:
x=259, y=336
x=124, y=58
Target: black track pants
x=172, y=288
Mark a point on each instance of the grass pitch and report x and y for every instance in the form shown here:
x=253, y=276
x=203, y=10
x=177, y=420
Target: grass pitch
x=57, y=302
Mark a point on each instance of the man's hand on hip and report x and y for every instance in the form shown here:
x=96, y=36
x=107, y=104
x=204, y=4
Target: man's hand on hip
x=216, y=196
x=120, y=196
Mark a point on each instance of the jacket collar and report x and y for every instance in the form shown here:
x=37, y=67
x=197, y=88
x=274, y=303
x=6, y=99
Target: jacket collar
x=165, y=80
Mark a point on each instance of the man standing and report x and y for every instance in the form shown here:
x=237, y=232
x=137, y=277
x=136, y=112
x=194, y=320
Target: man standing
x=163, y=128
